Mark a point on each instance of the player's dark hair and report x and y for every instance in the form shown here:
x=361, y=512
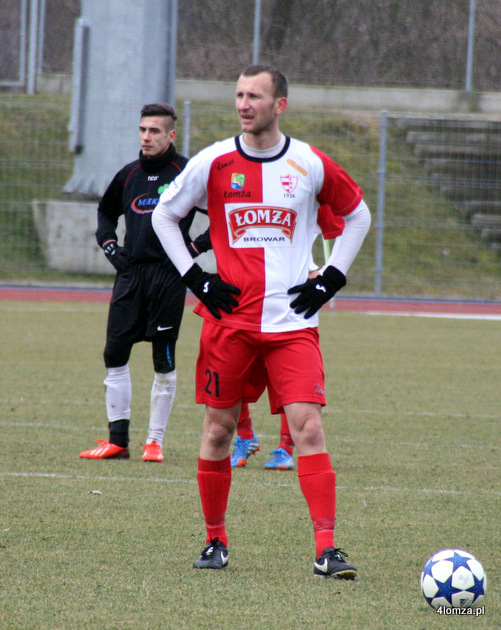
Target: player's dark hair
x=277, y=78
x=159, y=109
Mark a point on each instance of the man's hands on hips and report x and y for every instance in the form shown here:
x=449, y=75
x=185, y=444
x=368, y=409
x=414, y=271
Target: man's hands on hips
x=211, y=290
x=117, y=256
x=314, y=293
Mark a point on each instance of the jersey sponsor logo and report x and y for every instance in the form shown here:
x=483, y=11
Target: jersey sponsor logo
x=163, y=188
x=153, y=178
x=237, y=181
x=244, y=218
x=289, y=183
x=239, y=194
x=144, y=204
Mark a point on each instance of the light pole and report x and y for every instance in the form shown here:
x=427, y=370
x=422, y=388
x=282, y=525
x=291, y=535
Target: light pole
x=471, y=42
x=257, y=21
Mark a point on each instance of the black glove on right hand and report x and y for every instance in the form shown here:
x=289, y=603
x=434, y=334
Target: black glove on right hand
x=117, y=256
x=314, y=293
x=211, y=290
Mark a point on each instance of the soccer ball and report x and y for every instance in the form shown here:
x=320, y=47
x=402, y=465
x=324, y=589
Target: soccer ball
x=453, y=579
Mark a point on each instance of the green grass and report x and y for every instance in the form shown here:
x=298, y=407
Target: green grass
x=412, y=425
x=429, y=250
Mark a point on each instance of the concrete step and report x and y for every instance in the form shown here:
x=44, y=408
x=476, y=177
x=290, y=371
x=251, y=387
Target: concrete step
x=490, y=153
x=468, y=208
x=454, y=137
x=458, y=125
x=470, y=169
x=469, y=190
x=486, y=221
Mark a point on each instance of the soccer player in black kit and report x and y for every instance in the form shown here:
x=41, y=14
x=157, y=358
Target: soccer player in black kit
x=148, y=297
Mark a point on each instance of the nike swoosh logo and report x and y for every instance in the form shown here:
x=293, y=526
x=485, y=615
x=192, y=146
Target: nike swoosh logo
x=206, y=288
x=322, y=567
x=320, y=288
x=224, y=557
x=164, y=328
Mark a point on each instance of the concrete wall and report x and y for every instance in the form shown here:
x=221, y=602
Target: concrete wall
x=358, y=98
x=340, y=97
x=66, y=232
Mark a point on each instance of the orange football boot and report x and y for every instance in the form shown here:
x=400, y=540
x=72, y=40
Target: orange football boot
x=152, y=453
x=106, y=450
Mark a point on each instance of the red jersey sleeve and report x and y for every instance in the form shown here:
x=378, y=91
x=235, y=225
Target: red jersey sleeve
x=338, y=196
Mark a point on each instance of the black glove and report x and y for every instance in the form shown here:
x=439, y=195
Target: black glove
x=192, y=248
x=117, y=256
x=200, y=245
x=211, y=290
x=316, y=292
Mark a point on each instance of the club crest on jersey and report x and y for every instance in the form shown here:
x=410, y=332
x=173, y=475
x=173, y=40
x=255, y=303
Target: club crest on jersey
x=237, y=181
x=245, y=218
x=289, y=183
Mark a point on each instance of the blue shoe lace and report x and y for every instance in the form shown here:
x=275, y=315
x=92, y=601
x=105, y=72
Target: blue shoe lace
x=280, y=456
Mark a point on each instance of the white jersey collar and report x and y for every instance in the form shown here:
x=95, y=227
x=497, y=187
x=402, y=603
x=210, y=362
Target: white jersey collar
x=263, y=153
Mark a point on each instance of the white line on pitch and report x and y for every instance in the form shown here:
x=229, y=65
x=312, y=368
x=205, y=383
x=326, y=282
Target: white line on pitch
x=476, y=445
x=244, y=482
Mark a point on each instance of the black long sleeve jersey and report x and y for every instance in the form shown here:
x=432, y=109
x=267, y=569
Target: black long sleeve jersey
x=134, y=192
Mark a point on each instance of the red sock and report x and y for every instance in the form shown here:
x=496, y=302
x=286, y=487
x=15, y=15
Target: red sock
x=286, y=442
x=244, y=426
x=214, y=481
x=318, y=484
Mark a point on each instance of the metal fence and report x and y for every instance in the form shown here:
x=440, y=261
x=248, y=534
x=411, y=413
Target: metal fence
x=432, y=186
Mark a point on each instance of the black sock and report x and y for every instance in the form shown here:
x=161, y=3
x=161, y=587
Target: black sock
x=119, y=432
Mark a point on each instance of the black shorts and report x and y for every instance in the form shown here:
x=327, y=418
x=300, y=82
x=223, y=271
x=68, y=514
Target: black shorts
x=148, y=299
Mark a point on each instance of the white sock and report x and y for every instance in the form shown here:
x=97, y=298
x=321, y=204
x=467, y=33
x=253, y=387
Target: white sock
x=118, y=393
x=163, y=393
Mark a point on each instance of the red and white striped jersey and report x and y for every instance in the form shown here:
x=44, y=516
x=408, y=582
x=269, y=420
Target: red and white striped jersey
x=264, y=216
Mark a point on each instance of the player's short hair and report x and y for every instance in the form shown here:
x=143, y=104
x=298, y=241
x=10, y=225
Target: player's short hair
x=278, y=79
x=159, y=109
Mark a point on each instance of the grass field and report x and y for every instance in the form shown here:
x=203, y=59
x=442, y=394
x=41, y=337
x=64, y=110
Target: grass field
x=412, y=427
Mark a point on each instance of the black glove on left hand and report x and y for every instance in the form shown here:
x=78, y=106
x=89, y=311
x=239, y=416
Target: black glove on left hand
x=314, y=293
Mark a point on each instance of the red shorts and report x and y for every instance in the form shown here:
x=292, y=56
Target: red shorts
x=237, y=365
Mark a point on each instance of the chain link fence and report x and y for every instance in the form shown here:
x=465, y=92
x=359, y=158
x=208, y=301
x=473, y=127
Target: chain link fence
x=432, y=185
x=328, y=42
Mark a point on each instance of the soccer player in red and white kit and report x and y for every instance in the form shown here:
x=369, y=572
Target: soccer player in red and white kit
x=263, y=191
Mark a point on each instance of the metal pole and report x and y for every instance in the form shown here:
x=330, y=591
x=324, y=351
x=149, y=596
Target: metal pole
x=173, y=10
x=41, y=36
x=22, y=42
x=32, y=48
x=380, y=202
x=21, y=75
x=187, y=128
x=471, y=43
x=257, y=21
